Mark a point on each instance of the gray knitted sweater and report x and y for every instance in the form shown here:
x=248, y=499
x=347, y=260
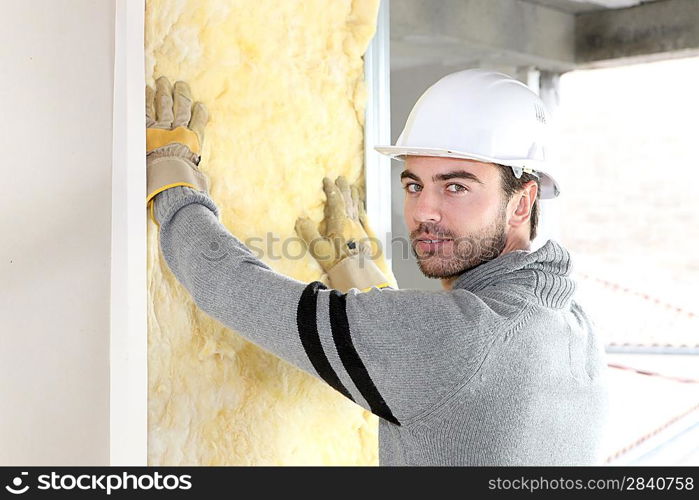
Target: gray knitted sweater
x=504, y=369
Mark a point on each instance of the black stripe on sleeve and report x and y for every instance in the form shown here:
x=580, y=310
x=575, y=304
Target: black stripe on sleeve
x=307, y=323
x=351, y=360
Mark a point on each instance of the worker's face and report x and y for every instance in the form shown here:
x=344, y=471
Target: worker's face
x=460, y=201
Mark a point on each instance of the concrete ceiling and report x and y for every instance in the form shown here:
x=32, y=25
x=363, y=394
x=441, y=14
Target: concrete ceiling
x=580, y=6
x=550, y=35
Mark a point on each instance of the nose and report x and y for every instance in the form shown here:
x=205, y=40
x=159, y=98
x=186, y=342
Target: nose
x=427, y=206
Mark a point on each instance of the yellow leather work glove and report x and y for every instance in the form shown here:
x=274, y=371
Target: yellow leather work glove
x=344, y=245
x=174, y=137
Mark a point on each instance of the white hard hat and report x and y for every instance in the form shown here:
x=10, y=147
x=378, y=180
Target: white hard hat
x=480, y=115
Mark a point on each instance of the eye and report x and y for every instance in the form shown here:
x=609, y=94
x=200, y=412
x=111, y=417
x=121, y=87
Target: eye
x=406, y=187
x=459, y=188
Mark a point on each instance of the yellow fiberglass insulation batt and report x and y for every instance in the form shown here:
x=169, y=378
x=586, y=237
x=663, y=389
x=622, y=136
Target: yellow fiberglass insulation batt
x=284, y=85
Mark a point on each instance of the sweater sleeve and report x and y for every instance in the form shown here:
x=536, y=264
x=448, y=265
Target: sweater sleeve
x=397, y=353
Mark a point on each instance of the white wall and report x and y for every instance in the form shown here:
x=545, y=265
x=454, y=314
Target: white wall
x=56, y=142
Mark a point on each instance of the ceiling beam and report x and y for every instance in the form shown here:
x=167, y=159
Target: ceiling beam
x=650, y=31
x=508, y=32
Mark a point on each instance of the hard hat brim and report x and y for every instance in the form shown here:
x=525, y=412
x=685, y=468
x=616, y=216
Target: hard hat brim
x=397, y=152
x=549, y=186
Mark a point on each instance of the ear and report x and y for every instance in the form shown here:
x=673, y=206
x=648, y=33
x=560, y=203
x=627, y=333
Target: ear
x=521, y=203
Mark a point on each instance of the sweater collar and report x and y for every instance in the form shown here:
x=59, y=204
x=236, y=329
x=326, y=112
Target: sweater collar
x=547, y=269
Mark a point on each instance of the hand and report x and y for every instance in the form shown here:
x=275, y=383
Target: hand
x=341, y=232
x=344, y=245
x=174, y=138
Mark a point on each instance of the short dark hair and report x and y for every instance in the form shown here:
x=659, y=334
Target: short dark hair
x=511, y=184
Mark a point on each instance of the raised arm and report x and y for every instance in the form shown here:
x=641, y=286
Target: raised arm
x=397, y=353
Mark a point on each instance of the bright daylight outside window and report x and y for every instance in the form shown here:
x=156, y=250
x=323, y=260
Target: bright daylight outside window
x=628, y=140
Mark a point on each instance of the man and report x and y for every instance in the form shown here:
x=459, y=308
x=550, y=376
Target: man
x=500, y=368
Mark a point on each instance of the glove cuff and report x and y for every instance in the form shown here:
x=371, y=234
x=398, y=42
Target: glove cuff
x=170, y=171
x=357, y=271
x=166, y=172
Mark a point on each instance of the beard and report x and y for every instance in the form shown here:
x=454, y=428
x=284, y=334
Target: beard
x=462, y=253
